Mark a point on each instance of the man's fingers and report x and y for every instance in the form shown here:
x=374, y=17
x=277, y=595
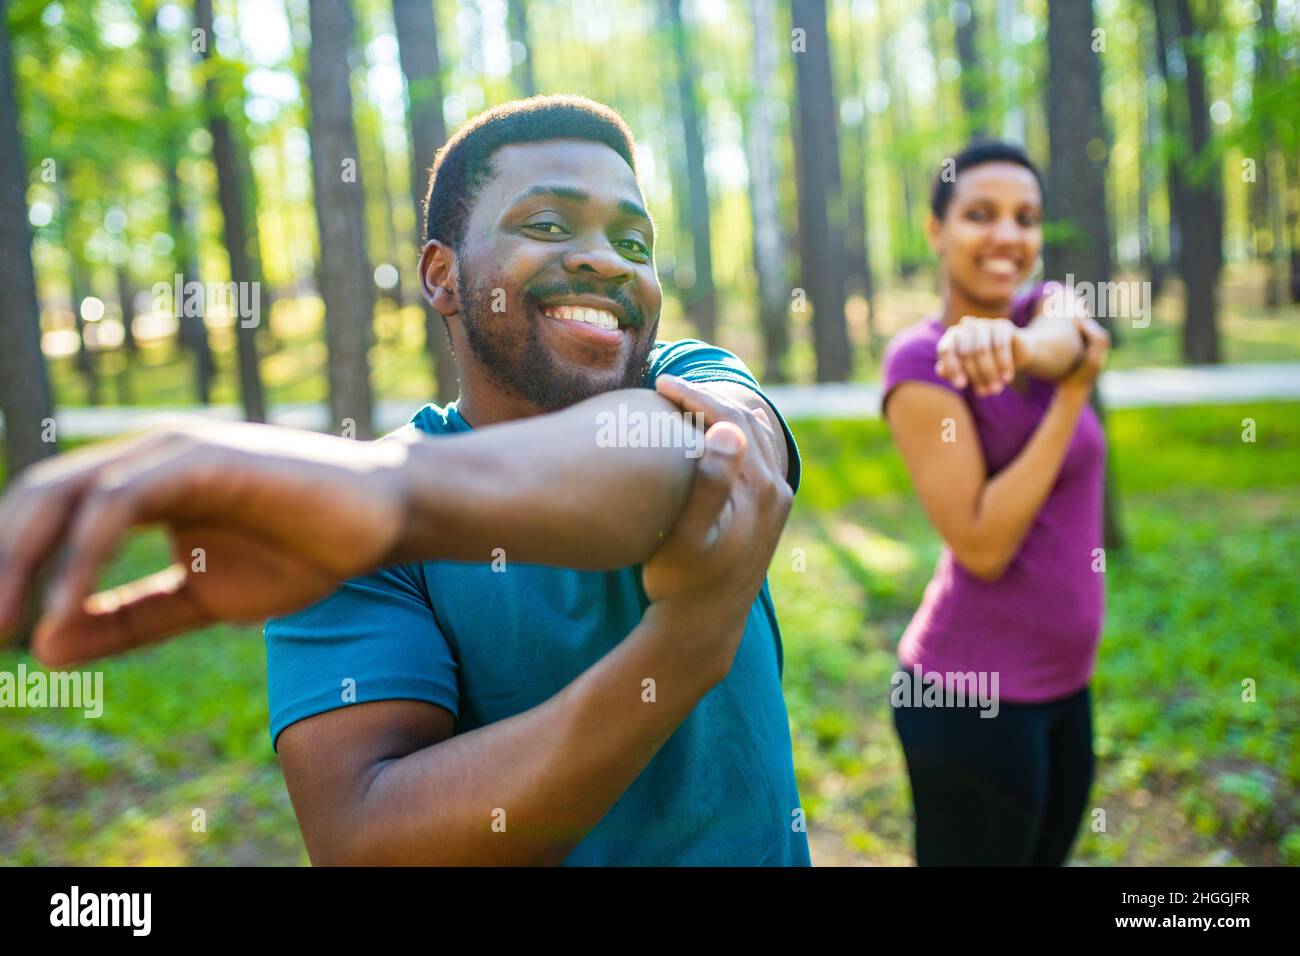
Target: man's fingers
x=725, y=446
x=143, y=612
x=119, y=499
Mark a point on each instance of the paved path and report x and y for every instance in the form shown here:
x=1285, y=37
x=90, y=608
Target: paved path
x=1129, y=388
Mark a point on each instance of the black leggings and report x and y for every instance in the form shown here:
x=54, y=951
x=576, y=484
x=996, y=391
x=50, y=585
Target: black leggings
x=998, y=791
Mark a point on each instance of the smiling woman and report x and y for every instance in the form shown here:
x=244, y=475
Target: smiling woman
x=988, y=405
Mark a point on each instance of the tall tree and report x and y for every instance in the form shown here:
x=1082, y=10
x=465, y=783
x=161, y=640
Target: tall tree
x=857, y=247
x=701, y=298
x=25, y=398
x=1193, y=179
x=972, y=81
x=522, y=58
x=231, y=198
x=417, y=48
x=344, y=267
x=821, y=207
x=1076, y=178
x=193, y=329
x=768, y=238
x=1266, y=207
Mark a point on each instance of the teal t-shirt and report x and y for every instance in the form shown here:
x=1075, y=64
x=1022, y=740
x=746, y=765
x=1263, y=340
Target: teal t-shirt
x=487, y=645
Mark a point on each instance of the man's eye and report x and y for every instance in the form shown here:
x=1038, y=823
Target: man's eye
x=634, y=246
x=546, y=228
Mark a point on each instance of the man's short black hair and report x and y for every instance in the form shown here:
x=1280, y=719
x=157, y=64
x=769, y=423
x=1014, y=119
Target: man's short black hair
x=977, y=153
x=464, y=163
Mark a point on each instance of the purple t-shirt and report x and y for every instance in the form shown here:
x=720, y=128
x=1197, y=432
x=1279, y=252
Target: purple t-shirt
x=1039, y=624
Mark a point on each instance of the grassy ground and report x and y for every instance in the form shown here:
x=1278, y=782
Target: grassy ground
x=1203, y=598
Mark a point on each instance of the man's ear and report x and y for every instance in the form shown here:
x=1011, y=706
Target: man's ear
x=438, y=277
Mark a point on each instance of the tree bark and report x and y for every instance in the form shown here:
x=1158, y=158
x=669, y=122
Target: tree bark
x=230, y=197
x=517, y=27
x=768, y=240
x=193, y=331
x=701, y=297
x=857, y=248
x=1076, y=181
x=971, y=82
x=1198, y=197
x=417, y=46
x=25, y=397
x=821, y=208
x=344, y=267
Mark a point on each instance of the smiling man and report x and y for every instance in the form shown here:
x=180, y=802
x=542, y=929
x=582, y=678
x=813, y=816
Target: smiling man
x=426, y=713
x=509, y=639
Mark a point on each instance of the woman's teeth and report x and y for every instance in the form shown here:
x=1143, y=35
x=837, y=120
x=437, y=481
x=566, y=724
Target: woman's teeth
x=571, y=313
x=1001, y=266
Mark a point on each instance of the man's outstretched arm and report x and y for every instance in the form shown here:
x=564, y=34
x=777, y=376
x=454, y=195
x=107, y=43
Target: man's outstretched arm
x=284, y=516
x=387, y=783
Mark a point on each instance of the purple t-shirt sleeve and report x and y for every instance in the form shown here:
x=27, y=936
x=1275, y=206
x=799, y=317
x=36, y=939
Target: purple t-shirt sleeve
x=910, y=358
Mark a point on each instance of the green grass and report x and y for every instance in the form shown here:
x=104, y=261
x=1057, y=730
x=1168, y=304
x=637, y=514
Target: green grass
x=1203, y=598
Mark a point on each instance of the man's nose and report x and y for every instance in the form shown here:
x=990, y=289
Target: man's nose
x=598, y=258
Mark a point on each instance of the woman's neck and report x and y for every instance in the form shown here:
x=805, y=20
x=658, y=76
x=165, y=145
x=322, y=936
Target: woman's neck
x=957, y=305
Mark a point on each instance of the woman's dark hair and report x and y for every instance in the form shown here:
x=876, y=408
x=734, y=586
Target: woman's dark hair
x=464, y=164
x=977, y=153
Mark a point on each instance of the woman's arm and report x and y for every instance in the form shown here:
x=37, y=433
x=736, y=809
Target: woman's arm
x=985, y=520
x=987, y=353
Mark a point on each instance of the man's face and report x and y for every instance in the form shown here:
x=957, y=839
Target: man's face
x=558, y=292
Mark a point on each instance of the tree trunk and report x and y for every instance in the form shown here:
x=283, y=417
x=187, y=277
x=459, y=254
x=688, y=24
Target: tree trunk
x=517, y=26
x=821, y=208
x=417, y=47
x=768, y=240
x=857, y=249
x=1197, y=197
x=972, y=82
x=25, y=398
x=193, y=331
x=344, y=269
x=1076, y=183
x=700, y=298
x=230, y=196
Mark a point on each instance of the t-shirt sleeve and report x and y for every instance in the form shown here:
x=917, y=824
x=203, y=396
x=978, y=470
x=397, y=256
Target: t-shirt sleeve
x=697, y=361
x=910, y=358
x=375, y=638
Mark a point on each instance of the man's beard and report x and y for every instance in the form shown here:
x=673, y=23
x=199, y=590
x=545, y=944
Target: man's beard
x=521, y=364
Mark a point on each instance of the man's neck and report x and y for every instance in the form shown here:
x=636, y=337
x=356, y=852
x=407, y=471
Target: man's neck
x=482, y=402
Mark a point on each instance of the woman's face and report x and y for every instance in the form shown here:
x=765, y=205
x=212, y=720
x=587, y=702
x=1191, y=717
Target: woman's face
x=992, y=233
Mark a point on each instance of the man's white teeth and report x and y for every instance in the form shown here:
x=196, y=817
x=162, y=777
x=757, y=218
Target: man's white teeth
x=573, y=313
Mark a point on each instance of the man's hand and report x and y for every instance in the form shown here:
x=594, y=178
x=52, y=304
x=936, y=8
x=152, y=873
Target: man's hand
x=983, y=353
x=714, y=560
x=282, y=517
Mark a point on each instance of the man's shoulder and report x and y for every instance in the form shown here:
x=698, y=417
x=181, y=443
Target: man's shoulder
x=685, y=356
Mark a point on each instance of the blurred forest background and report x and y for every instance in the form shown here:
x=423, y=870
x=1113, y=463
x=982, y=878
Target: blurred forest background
x=786, y=151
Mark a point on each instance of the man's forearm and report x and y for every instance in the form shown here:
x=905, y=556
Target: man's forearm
x=545, y=491
x=546, y=776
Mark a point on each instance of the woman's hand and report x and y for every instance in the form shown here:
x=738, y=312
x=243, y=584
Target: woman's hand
x=982, y=353
x=1096, y=346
